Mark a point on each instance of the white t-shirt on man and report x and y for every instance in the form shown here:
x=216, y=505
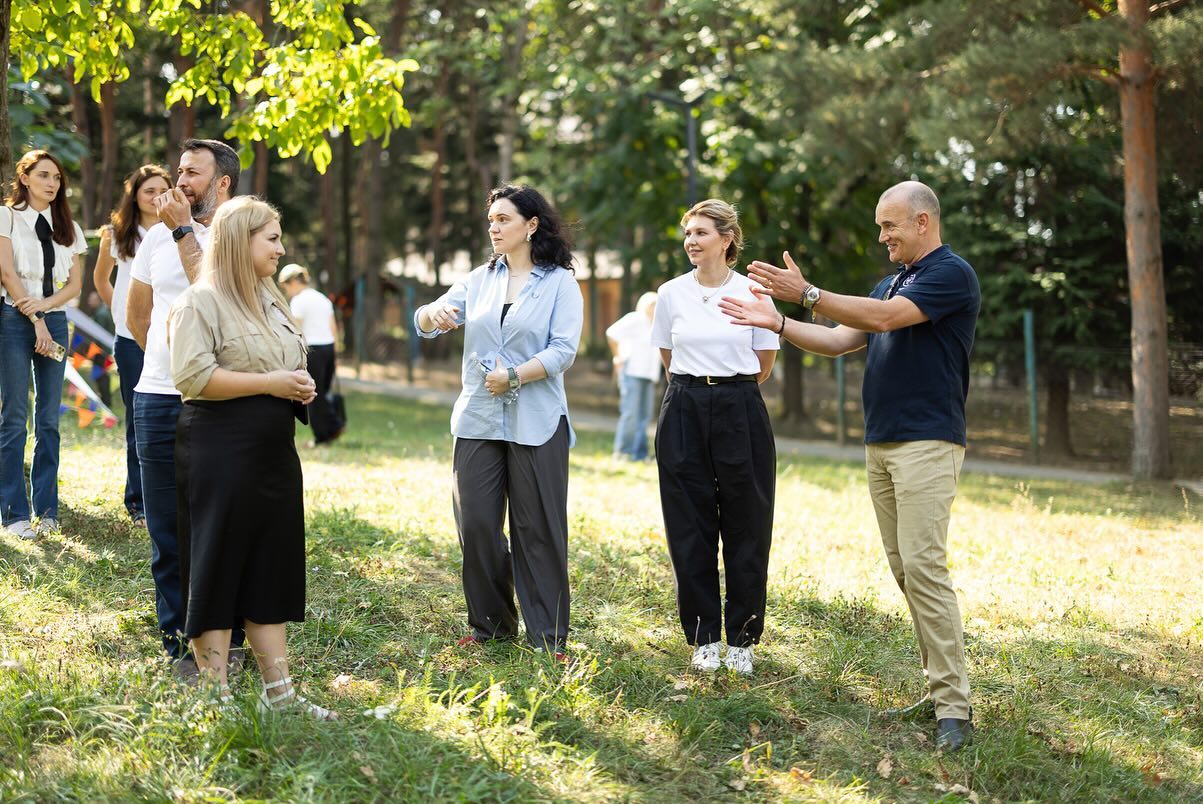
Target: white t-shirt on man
x=702, y=337
x=315, y=313
x=158, y=264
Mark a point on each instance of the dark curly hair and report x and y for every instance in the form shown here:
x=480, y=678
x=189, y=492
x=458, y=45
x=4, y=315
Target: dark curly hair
x=550, y=245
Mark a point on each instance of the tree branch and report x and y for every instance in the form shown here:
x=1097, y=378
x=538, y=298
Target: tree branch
x=1091, y=5
x=1097, y=73
x=1166, y=5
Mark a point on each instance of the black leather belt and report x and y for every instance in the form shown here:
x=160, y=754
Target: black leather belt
x=689, y=379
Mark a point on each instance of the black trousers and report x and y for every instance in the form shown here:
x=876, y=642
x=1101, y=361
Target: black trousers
x=533, y=481
x=322, y=418
x=718, y=477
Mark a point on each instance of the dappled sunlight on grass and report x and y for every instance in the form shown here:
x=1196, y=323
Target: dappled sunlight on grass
x=1084, y=633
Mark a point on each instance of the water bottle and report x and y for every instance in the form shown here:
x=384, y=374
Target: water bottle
x=483, y=367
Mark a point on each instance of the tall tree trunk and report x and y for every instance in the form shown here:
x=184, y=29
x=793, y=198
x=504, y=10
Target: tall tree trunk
x=182, y=122
x=368, y=238
x=1142, y=222
x=87, y=168
x=260, y=168
x=329, y=274
x=105, y=197
x=369, y=255
x=6, y=135
x=515, y=43
x=148, y=109
x=438, y=197
x=1057, y=439
x=596, y=328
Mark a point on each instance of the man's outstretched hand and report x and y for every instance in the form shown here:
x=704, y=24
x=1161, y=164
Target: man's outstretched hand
x=785, y=283
x=760, y=312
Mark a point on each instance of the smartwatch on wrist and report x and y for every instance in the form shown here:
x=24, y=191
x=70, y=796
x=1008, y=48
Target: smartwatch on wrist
x=39, y=315
x=180, y=232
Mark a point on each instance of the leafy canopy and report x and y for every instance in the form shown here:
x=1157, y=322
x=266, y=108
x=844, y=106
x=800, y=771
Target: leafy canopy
x=315, y=74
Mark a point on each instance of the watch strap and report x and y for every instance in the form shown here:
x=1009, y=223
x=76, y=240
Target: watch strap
x=515, y=380
x=180, y=232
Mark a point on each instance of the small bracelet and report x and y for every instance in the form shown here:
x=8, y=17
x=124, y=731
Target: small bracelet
x=781, y=329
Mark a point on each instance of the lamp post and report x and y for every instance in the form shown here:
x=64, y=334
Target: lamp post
x=691, y=137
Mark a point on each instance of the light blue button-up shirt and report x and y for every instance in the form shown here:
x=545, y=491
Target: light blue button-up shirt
x=544, y=322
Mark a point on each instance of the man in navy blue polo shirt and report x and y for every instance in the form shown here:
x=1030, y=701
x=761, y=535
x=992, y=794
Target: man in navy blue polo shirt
x=918, y=328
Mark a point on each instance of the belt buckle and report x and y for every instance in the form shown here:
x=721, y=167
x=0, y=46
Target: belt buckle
x=710, y=381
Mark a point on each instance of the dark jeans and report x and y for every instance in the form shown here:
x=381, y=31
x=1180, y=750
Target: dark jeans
x=129, y=357
x=17, y=362
x=155, y=417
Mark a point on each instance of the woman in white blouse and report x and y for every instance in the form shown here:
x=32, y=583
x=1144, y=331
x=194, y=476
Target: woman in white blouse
x=714, y=444
x=118, y=242
x=40, y=270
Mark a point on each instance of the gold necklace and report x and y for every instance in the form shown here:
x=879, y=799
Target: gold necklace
x=706, y=297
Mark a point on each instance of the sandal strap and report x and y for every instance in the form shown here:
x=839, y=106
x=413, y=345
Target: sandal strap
x=275, y=684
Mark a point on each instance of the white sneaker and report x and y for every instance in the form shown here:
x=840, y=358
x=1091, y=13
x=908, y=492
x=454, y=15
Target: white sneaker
x=706, y=657
x=740, y=660
x=23, y=528
x=47, y=525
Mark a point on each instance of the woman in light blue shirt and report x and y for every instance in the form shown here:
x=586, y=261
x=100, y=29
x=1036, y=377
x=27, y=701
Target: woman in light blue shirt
x=522, y=314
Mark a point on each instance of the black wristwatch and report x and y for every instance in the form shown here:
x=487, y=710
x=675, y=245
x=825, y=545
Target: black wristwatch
x=39, y=315
x=180, y=232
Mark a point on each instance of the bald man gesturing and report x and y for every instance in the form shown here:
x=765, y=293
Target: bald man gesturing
x=918, y=327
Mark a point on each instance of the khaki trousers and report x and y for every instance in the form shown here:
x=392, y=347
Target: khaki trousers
x=913, y=484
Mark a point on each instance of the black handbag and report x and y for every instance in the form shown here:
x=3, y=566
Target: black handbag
x=338, y=404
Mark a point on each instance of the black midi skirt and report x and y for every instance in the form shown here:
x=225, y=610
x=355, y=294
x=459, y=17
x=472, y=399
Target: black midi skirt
x=241, y=513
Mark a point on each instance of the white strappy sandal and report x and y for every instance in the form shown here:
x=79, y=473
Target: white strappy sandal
x=290, y=700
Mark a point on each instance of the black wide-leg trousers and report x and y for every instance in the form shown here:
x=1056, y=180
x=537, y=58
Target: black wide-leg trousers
x=534, y=483
x=718, y=476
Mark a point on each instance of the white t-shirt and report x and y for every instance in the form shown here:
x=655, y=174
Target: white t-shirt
x=19, y=226
x=121, y=286
x=633, y=333
x=702, y=337
x=316, y=315
x=157, y=264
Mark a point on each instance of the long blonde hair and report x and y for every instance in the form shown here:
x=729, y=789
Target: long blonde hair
x=227, y=265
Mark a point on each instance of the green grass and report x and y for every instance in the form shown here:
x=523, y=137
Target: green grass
x=1083, y=612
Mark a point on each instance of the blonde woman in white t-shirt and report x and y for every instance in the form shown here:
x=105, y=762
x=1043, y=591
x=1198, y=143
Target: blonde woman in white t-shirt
x=134, y=215
x=714, y=444
x=40, y=268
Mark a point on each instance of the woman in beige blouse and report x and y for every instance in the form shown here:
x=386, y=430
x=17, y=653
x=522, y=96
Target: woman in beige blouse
x=238, y=359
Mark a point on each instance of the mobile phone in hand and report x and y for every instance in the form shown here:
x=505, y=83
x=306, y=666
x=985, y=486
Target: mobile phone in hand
x=58, y=351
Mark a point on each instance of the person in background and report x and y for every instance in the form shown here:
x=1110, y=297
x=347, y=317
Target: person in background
x=714, y=444
x=637, y=366
x=167, y=262
x=40, y=248
x=315, y=313
x=522, y=314
x=99, y=312
x=119, y=241
x=917, y=328
x=238, y=360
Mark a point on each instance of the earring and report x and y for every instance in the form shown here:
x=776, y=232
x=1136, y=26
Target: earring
x=528, y=236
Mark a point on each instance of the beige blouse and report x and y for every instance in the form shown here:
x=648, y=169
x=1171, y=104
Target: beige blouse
x=205, y=332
